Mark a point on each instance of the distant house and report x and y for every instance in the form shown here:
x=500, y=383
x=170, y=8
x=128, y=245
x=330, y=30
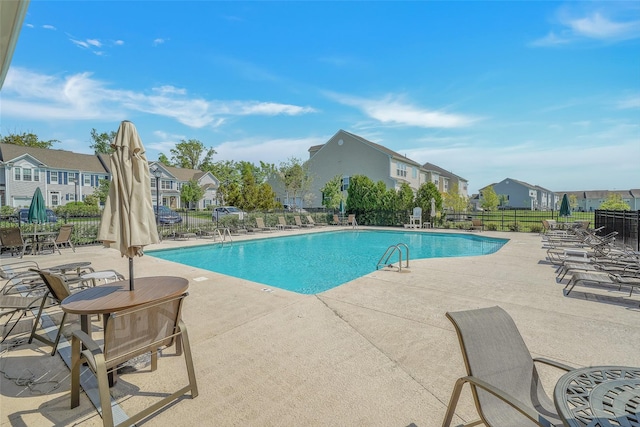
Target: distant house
x=522, y=195
x=347, y=155
x=590, y=200
x=445, y=180
x=63, y=176
x=170, y=182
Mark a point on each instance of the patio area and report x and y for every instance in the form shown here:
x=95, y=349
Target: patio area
x=377, y=351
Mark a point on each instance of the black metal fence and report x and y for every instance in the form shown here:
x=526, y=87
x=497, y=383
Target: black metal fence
x=626, y=223
x=85, y=230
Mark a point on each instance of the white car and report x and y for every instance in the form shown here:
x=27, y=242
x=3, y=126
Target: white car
x=222, y=211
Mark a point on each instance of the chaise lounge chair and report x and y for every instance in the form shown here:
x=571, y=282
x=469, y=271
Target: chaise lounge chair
x=283, y=224
x=501, y=372
x=262, y=227
x=299, y=222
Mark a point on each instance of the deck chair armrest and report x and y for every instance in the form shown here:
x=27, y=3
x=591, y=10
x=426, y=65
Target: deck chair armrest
x=88, y=342
x=508, y=399
x=554, y=364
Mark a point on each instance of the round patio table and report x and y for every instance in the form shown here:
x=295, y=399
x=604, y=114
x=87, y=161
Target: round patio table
x=599, y=396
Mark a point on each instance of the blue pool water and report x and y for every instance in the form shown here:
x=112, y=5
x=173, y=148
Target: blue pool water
x=316, y=262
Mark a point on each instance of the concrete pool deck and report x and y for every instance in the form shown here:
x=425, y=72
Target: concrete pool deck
x=377, y=351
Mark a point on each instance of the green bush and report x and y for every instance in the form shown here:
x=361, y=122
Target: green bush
x=535, y=228
x=514, y=227
x=492, y=226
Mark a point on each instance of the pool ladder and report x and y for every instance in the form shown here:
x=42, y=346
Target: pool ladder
x=384, y=260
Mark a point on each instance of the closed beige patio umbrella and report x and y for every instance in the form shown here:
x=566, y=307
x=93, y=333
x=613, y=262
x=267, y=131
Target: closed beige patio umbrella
x=128, y=221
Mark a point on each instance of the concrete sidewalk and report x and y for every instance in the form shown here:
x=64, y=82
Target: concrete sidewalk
x=377, y=351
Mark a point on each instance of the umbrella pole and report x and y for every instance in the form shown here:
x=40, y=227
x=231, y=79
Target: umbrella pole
x=130, y=273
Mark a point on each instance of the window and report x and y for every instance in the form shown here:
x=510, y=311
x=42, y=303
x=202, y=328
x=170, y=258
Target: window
x=414, y=173
x=55, y=197
x=87, y=180
x=401, y=170
x=72, y=178
x=165, y=184
x=26, y=174
x=54, y=180
x=17, y=174
x=36, y=174
x=345, y=184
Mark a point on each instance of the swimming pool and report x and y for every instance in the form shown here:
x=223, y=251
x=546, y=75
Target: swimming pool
x=316, y=262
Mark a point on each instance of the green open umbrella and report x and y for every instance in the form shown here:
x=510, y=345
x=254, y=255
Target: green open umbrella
x=565, y=210
x=38, y=210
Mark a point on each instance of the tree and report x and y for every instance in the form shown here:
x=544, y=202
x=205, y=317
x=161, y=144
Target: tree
x=405, y=198
x=332, y=193
x=489, y=199
x=295, y=178
x=249, y=194
x=456, y=201
x=615, y=203
x=103, y=190
x=102, y=141
x=191, y=192
x=266, y=197
x=426, y=192
x=164, y=160
x=192, y=154
x=503, y=200
x=27, y=140
x=573, y=202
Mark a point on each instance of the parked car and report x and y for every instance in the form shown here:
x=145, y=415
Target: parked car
x=293, y=208
x=167, y=216
x=222, y=211
x=23, y=214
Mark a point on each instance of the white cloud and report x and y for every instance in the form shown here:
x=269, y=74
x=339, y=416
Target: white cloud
x=267, y=150
x=49, y=27
x=94, y=42
x=37, y=96
x=158, y=41
x=394, y=111
x=599, y=27
x=629, y=103
x=576, y=26
x=118, y=42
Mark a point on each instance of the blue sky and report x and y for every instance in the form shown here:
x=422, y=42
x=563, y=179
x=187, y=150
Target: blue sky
x=543, y=92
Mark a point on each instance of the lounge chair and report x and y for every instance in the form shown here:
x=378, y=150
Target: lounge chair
x=11, y=239
x=126, y=337
x=500, y=371
x=283, y=224
x=299, y=222
x=311, y=221
x=14, y=304
x=262, y=227
x=63, y=238
x=476, y=224
x=338, y=221
x=602, y=278
x=351, y=220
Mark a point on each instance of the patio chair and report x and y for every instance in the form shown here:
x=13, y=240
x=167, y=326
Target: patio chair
x=310, y=220
x=63, y=238
x=262, y=227
x=600, y=278
x=57, y=290
x=12, y=305
x=128, y=334
x=338, y=221
x=299, y=222
x=476, y=224
x=351, y=220
x=283, y=224
x=500, y=371
x=11, y=239
x=19, y=278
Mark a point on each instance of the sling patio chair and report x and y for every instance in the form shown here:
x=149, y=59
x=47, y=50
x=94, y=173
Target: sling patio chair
x=310, y=220
x=12, y=240
x=57, y=290
x=301, y=224
x=282, y=223
x=127, y=334
x=63, y=238
x=506, y=388
x=12, y=305
x=600, y=278
x=262, y=227
x=351, y=220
